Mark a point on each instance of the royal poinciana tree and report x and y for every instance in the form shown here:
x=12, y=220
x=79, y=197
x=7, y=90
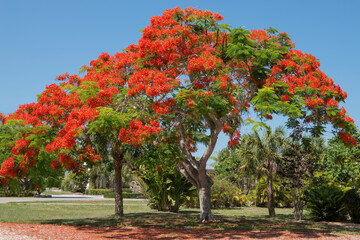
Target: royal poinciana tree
x=198, y=76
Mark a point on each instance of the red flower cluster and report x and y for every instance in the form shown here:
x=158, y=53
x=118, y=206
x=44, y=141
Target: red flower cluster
x=67, y=161
x=347, y=138
x=88, y=154
x=191, y=145
x=20, y=146
x=54, y=164
x=190, y=103
x=207, y=62
x=158, y=168
x=226, y=128
x=137, y=132
x=268, y=116
x=245, y=105
x=2, y=118
x=301, y=74
x=259, y=35
x=163, y=107
x=235, y=139
x=285, y=98
x=8, y=168
x=153, y=82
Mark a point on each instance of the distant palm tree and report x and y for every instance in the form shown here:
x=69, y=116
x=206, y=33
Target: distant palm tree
x=260, y=155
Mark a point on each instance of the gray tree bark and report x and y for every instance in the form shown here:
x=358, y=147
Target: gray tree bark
x=204, y=191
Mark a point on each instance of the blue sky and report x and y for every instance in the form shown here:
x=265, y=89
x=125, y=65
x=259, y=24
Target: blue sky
x=40, y=40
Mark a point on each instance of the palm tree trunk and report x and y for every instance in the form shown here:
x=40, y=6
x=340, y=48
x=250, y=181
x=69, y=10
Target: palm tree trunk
x=270, y=193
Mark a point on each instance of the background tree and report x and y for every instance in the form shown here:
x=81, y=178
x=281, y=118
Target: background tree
x=341, y=164
x=262, y=154
x=67, y=115
x=39, y=177
x=299, y=162
x=164, y=186
x=226, y=166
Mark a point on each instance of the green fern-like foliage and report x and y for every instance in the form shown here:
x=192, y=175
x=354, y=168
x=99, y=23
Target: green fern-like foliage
x=352, y=201
x=326, y=203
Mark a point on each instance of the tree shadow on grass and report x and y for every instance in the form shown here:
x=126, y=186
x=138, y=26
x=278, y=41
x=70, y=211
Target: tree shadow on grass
x=152, y=219
x=154, y=224
x=286, y=224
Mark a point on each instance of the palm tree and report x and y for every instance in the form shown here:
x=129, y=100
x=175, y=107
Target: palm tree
x=260, y=155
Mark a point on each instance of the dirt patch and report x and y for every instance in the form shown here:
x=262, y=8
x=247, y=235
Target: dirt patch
x=60, y=232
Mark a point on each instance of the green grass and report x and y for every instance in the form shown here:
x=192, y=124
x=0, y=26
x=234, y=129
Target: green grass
x=137, y=213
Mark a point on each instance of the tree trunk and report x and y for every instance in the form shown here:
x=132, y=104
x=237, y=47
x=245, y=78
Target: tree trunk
x=298, y=208
x=119, y=208
x=203, y=183
x=25, y=184
x=270, y=193
x=204, y=191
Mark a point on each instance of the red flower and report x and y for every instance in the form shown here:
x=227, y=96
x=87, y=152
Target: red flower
x=268, y=116
x=2, y=118
x=158, y=168
x=245, y=105
x=285, y=98
x=226, y=128
x=8, y=168
x=348, y=119
x=190, y=103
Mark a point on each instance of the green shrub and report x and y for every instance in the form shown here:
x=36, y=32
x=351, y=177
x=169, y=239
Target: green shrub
x=98, y=191
x=15, y=189
x=226, y=194
x=281, y=193
x=74, y=182
x=352, y=201
x=192, y=201
x=222, y=193
x=109, y=193
x=125, y=195
x=326, y=203
x=164, y=186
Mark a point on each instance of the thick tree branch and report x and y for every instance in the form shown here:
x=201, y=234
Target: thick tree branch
x=183, y=147
x=182, y=112
x=210, y=147
x=189, y=172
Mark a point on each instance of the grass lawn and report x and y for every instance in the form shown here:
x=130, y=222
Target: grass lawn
x=137, y=213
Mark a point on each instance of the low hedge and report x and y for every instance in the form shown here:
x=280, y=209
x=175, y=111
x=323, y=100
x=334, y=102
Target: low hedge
x=97, y=191
x=125, y=195
x=10, y=194
x=109, y=193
